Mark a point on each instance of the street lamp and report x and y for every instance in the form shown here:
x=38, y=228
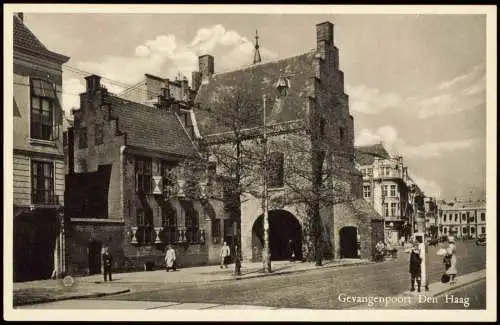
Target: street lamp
x=266, y=253
x=282, y=85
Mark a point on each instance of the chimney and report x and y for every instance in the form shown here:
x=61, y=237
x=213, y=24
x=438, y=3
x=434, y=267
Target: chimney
x=93, y=83
x=206, y=66
x=165, y=91
x=184, y=89
x=324, y=37
x=196, y=80
x=20, y=15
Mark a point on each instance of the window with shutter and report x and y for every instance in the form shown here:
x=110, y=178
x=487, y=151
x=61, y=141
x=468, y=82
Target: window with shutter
x=169, y=223
x=43, y=100
x=143, y=174
x=192, y=224
x=145, y=229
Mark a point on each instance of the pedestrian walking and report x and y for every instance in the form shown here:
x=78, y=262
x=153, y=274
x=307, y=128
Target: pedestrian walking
x=415, y=267
x=225, y=253
x=451, y=260
x=107, y=262
x=379, y=251
x=290, y=251
x=170, y=259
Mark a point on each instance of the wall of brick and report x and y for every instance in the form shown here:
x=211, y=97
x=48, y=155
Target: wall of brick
x=109, y=234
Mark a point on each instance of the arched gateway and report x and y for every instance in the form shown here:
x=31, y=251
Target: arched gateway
x=283, y=226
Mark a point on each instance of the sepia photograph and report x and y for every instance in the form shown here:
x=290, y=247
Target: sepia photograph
x=252, y=162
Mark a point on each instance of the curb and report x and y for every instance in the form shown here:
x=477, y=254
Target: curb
x=458, y=286
x=81, y=296
x=260, y=275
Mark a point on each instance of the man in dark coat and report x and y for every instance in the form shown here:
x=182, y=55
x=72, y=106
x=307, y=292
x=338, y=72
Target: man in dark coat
x=290, y=250
x=415, y=267
x=107, y=262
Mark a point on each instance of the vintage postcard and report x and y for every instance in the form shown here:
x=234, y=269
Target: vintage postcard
x=212, y=162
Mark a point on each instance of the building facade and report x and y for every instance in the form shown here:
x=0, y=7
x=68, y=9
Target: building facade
x=136, y=183
x=463, y=219
x=388, y=188
x=307, y=120
x=38, y=158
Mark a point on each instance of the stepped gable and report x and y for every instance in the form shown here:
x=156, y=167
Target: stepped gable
x=255, y=81
x=365, y=155
x=151, y=128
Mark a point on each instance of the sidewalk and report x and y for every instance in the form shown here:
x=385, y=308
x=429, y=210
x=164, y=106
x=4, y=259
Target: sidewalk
x=215, y=273
x=408, y=298
x=35, y=292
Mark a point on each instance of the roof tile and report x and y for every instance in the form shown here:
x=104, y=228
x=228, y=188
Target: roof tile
x=151, y=128
x=256, y=81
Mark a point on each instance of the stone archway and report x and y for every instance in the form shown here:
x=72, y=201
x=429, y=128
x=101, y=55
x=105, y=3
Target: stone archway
x=348, y=242
x=35, y=235
x=283, y=226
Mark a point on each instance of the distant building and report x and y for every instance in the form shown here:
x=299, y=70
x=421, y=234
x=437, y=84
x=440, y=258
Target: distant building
x=463, y=219
x=38, y=162
x=388, y=187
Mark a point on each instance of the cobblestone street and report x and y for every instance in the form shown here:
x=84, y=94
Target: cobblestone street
x=312, y=289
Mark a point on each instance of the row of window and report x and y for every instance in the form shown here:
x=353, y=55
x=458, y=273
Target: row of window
x=465, y=230
x=386, y=191
x=144, y=174
x=465, y=217
x=394, y=211
x=146, y=234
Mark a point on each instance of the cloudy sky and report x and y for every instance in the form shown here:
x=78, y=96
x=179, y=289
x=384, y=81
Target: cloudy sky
x=416, y=82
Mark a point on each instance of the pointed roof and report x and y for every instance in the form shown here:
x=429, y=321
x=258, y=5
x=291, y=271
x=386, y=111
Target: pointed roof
x=256, y=55
x=254, y=81
x=25, y=40
x=365, y=155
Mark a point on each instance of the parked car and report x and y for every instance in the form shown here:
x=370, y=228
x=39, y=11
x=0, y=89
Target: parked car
x=481, y=240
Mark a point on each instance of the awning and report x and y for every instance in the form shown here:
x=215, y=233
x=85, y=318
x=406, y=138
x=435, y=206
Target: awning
x=43, y=88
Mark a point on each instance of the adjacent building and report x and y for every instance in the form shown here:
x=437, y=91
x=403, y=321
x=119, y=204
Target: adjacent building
x=463, y=219
x=388, y=188
x=38, y=158
x=136, y=183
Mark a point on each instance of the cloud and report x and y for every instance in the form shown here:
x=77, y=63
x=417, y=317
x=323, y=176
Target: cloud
x=166, y=56
x=472, y=74
x=462, y=93
x=72, y=87
x=430, y=188
x=387, y=134
x=364, y=99
x=436, y=149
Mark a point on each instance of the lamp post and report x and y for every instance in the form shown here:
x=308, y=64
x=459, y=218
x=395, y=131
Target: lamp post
x=282, y=86
x=266, y=253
